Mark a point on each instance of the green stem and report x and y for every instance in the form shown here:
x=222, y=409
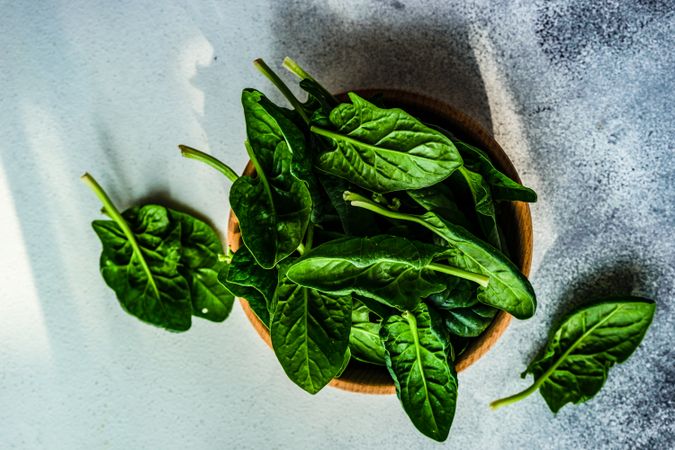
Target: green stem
x=362, y=202
x=295, y=68
x=539, y=381
x=309, y=236
x=454, y=271
x=115, y=215
x=193, y=153
x=276, y=81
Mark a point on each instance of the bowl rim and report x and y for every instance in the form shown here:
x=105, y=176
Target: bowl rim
x=367, y=380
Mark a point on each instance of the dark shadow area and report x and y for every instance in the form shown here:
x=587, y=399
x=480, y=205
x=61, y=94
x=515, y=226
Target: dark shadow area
x=421, y=51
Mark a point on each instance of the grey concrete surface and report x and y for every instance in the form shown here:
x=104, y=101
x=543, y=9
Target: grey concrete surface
x=579, y=94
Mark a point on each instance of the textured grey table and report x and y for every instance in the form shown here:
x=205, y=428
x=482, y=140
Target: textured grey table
x=579, y=95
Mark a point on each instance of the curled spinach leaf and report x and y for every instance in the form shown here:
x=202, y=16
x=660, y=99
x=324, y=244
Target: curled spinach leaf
x=275, y=227
x=575, y=363
x=245, y=278
x=501, y=186
x=417, y=359
x=385, y=150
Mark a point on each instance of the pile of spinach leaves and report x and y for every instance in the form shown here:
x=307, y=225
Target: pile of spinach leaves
x=368, y=236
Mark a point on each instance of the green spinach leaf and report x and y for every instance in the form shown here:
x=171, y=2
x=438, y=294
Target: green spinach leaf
x=365, y=343
x=245, y=278
x=274, y=228
x=508, y=289
x=440, y=199
x=385, y=150
x=393, y=270
x=417, y=359
x=310, y=333
x=501, y=186
x=574, y=364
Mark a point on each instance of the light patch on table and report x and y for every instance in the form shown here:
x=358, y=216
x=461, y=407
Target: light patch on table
x=197, y=53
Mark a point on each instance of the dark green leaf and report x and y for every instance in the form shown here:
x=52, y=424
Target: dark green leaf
x=345, y=363
x=501, y=186
x=389, y=269
x=508, y=289
x=246, y=279
x=417, y=359
x=200, y=266
x=355, y=221
x=440, y=199
x=575, y=363
x=385, y=150
x=479, y=191
x=310, y=334
x=469, y=322
x=365, y=343
x=457, y=294
x=274, y=206
x=148, y=283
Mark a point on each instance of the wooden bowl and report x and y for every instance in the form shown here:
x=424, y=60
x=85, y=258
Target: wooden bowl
x=515, y=221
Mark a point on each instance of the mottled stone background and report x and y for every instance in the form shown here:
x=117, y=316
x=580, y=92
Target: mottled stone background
x=579, y=94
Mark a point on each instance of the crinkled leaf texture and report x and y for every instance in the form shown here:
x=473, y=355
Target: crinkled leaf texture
x=159, y=296
x=386, y=268
x=508, y=289
x=248, y=280
x=587, y=344
x=200, y=265
x=310, y=334
x=386, y=150
x=273, y=207
x=417, y=359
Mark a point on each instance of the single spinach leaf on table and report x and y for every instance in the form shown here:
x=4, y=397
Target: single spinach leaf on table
x=245, y=278
x=501, y=186
x=310, y=333
x=507, y=289
x=385, y=150
x=200, y=264
x=575, y=363
x=274, y=228
x=393, y=270
x=417, y=359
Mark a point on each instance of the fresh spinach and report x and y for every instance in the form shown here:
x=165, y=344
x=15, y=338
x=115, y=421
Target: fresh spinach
x=574, y=364
x=385, y=150
x=417, y=359
x=274, y=228
x=310, y=333
x=161, y=263
x=395, y=271
x=507, y=289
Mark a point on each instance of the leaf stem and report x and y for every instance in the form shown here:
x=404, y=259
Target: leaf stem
x=295, y=68
x=309, y=236
x=362, y=202
x=515, y=397
x=116, y=216
x=279, y=84
x=457, y=272
x=193, y=153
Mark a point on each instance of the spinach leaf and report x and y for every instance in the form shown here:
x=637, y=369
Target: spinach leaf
x=458, y=293
x=574, y=365
x=345, y=363
x=385, y=150
x=274, y=228
x=440, y=199
x=393, y=270
x=355, y=222
x=245, y=278
x=200, y=264
x=310, y=333
x=501, y=186
x=469, y=322
x=365, y=343
x=417, y=359
x=508, y=289
x=140, y=262
x=482, y=201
